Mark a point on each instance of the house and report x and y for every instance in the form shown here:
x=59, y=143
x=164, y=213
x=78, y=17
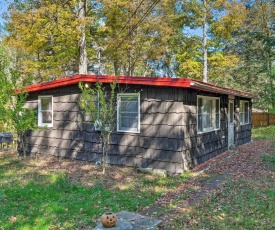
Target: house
x=6, y=138
x=174, y=124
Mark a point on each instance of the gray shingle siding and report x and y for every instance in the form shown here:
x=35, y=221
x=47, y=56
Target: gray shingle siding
x=168, y=130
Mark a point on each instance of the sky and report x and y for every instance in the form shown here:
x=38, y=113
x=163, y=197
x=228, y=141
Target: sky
x=3, y=8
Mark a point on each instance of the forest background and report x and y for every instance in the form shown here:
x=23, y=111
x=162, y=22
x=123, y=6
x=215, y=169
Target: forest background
x=230, y=42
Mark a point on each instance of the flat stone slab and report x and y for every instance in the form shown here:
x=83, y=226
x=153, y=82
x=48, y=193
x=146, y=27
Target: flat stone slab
x=132, y=221
x=120, y=225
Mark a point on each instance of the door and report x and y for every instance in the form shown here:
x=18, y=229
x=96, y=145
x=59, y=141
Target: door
x=231, y=123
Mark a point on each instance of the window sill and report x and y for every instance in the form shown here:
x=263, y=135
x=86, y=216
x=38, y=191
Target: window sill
x=45, y=125
x=208, y=131
x=244, y=123
x=127, y=131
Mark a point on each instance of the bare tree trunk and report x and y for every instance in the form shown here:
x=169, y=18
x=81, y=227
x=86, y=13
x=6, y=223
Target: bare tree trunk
x=116, y=68
x=205, y=77
x=24, y=143
x=103, y=155
x=272, y=93
x=105, y=148
x=83, y=60
x=21, y=142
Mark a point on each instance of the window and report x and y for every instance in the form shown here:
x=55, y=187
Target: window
x=244, y=112
x=128, y=116
x=45, y=111
x=208, y=113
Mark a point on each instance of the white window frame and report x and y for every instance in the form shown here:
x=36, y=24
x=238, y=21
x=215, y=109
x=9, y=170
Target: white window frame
x=119, y=112
x=242, y=112
x=40, y=123
x=213, y=114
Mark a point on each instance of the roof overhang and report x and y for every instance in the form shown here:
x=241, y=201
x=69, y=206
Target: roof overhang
x=216, y=89
x=150, y=81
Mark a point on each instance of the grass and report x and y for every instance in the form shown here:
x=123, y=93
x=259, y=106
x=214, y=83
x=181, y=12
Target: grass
x=246, y=202
x=242, y=204
x=264, y=133
x=33, y=199
x=36, y=198
x=269, y=159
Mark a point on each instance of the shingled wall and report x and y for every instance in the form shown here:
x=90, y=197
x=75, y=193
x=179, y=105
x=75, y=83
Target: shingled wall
x=242, y=132
x=168, y=132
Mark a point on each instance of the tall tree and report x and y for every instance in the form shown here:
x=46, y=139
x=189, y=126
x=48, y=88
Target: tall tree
x=135, y=32
x=53, y=35
x=13, y=110
x=211, y=17
x=254, y=44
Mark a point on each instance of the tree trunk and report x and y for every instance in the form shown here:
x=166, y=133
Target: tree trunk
x=103, y=156
x=116, y=68
x=105, y=147
x=205, y=77
x=83, y=61
x=21, y=143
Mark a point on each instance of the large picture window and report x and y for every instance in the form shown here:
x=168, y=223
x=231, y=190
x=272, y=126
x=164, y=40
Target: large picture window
x=45, y=111
x=128, y=112
x=244, y=112
x=208, y=113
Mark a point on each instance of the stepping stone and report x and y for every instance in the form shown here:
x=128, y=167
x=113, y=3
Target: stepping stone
x=132, y=221
x=120, y=225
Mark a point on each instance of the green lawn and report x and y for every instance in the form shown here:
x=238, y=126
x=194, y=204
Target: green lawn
x=33, y=199
x=36, y=197
x=264, y=132
x=241, y=204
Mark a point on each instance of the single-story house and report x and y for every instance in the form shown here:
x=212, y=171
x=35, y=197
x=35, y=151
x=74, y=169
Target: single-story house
x=174, y=124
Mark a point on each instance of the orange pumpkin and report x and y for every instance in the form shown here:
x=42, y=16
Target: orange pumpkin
x=108, y=220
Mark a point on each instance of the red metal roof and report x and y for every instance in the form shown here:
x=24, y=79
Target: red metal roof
x=153, y=81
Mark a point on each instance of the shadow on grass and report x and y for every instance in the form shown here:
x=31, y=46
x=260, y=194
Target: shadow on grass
x=38, y=198
x=53, y=201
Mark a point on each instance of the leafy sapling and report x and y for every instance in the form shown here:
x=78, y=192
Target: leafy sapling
x=101, y=106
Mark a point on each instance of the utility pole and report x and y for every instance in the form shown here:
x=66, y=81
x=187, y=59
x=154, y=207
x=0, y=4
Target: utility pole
x=99, y=49
x=97, y=65
x=83, y=60
x=204, y=30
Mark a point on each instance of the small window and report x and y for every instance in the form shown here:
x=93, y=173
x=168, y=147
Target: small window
x=45, y=111
x=128, y=114
x=208, y=113
x=244, y=112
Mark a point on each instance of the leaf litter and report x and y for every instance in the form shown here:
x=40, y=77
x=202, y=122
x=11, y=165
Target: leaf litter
x=243, y=162
x=243, y=169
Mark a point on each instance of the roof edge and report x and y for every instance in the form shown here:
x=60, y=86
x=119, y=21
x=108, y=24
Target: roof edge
x=217, y=89
x=153, y=81
x=150, y=81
